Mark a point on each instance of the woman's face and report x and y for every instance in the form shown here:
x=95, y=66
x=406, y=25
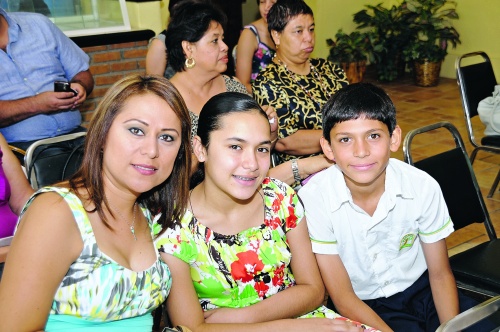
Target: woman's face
x=238, y=156
x=210, y=52
x=142, y=144
x=296, y=42
x=264, y=6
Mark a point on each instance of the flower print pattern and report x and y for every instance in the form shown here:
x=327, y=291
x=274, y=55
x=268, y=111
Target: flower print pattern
x=262, y=56
x=247, y=266
x=235, y=271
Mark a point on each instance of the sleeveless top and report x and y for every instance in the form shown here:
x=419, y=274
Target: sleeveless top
x=169, y=71
x=262, y=56
x=97, y=292
x=8, y=219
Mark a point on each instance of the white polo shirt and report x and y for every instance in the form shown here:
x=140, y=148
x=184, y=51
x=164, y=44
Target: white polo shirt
x=381, y=253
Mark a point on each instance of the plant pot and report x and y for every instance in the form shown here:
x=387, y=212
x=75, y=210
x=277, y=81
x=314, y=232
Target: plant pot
x=354, y=71
x=427, y=73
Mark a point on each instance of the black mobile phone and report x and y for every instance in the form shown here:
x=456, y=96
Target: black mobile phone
x=61, y=86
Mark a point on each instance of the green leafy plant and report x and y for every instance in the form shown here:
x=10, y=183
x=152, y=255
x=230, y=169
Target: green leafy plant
x=353, y=47
x=389, y=33
x=432, y=29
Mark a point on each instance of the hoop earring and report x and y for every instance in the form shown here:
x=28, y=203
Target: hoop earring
x=190, y=63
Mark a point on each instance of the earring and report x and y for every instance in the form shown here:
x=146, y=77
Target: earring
x=190, y=63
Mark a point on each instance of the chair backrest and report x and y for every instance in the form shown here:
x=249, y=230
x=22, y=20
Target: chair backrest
x=453, y=171
x=55, y=159
x=476, y=82
x=472, y=316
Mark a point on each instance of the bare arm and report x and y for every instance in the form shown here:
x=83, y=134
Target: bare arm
x=247, y=45
x=184, y=309
x=45, y=245
x=156, y=58
x=13, y=111
x=442, y=281
x=302, y=142
x=85, y=80
x=20, y=188
x=340, y=289
x=307, y=166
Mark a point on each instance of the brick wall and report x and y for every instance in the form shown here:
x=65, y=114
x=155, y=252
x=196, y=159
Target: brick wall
x=109, y=63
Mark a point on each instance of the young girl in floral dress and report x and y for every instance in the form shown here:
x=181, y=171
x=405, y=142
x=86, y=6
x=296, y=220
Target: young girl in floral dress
x=232, y=252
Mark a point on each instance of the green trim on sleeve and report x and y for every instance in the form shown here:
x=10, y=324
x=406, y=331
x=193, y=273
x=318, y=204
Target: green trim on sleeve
x=439, y=230
x=323, y=242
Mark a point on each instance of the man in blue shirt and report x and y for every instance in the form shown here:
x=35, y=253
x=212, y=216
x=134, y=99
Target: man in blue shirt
x=34, y=54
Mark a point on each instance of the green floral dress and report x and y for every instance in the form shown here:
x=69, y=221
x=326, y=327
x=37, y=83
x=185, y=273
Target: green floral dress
x=97, y=293
x=235, y=271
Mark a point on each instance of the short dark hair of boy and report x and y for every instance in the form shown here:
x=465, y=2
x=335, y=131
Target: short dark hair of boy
x=283, y=11
x=355, y=101
x=190, y=21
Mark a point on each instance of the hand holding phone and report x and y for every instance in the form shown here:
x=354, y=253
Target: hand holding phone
x=61, y=86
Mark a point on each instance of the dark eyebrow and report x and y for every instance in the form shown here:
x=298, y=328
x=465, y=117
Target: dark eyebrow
x=241, y=140
x=147, y=125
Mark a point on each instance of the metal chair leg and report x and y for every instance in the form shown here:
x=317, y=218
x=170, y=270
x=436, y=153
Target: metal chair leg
x=495, y=185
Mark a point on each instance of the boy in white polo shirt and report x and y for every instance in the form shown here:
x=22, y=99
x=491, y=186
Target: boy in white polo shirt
x=377, y=224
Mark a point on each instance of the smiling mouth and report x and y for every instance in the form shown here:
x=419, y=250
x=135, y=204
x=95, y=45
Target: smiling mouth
x=145, y=168
x=244, y=178
x=362, y=167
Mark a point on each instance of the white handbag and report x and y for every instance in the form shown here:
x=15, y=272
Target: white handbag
x=489, y=112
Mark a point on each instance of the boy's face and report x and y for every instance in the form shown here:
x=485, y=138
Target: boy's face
x=361, y=148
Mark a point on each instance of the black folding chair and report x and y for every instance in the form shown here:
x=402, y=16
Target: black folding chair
x=476, y=82
x=54, y=159
x=471, y=316
x=476, y=269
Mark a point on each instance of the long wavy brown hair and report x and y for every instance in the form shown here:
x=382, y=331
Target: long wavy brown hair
x=169, y=199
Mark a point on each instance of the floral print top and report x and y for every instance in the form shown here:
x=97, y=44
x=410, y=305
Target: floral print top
x=262, y=56
x=98, y=289
x=235, y=271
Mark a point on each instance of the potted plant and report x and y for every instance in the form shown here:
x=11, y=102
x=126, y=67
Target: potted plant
x=432, y=30
x=350, y=51
x=388, y=31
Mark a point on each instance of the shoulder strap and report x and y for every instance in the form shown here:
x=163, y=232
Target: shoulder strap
x=254, y=30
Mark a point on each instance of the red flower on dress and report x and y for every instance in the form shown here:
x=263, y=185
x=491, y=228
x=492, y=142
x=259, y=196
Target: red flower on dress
x=247, y=265
x=291, y=220
x=261, y=288
x=276, y=205
x=278, y=276
x=273, y=223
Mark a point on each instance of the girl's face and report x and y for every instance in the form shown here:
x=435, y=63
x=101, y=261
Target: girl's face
x=210, y=52
x=296, y=41
x=142, y=144
x=264, y=6
x=238, y=156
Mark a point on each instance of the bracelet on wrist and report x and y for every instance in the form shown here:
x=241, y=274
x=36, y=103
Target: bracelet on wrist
x=295, y=170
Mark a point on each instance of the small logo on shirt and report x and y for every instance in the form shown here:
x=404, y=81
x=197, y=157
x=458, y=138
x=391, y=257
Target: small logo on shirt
x=407, y=241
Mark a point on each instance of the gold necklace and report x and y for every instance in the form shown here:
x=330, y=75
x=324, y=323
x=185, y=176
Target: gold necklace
x=316, y=74
x=131, y=226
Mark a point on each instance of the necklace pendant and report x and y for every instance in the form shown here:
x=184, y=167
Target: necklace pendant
x=132, y=230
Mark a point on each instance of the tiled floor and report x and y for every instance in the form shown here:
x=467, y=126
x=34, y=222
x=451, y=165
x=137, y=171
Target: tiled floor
x=419, y=106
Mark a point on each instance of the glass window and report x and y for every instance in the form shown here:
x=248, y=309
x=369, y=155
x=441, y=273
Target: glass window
x=77, y=17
